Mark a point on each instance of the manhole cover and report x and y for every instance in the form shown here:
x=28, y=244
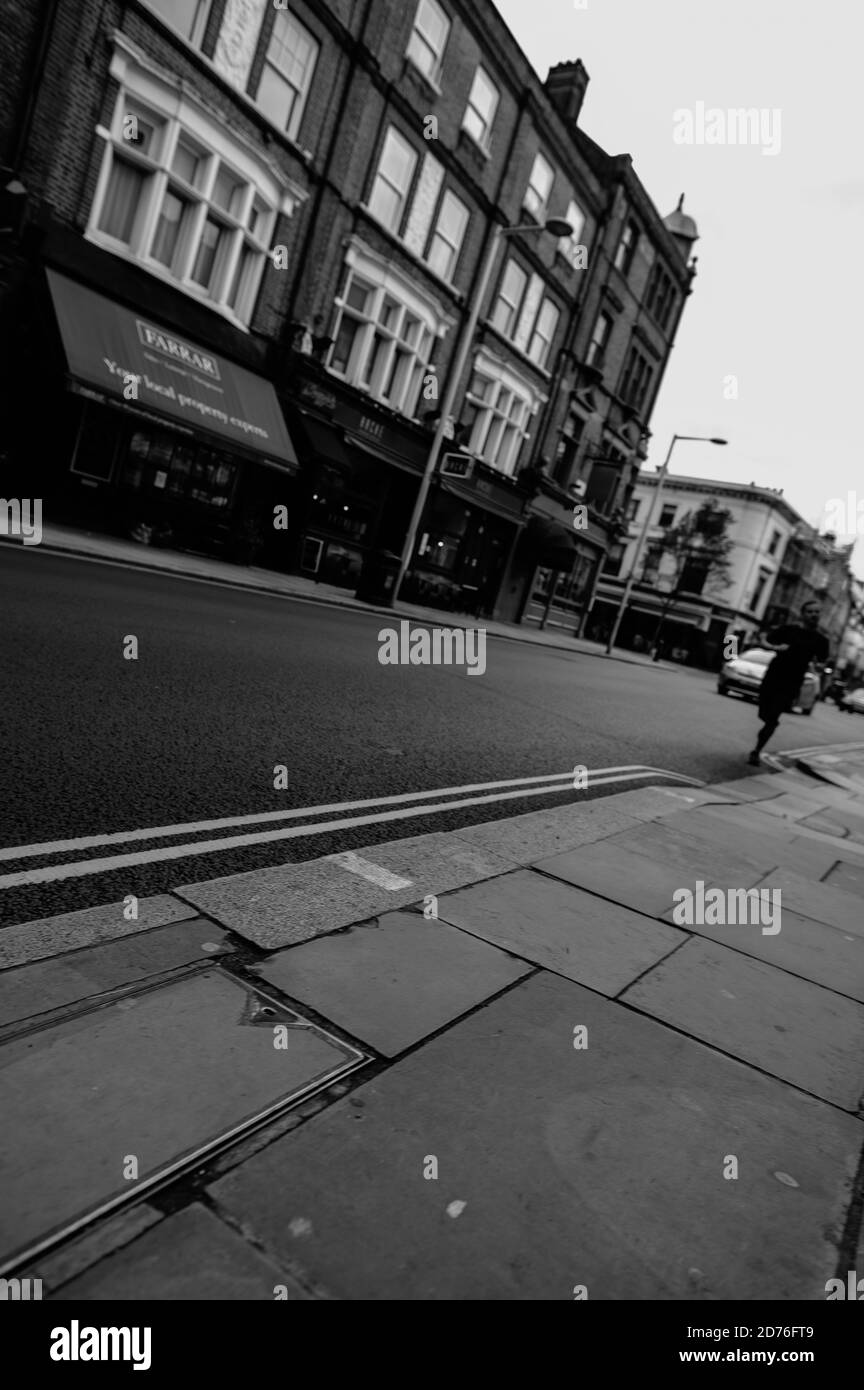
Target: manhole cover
x=98, y=1109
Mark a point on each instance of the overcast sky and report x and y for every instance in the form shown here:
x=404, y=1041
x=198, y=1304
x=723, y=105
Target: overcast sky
x=778, y=301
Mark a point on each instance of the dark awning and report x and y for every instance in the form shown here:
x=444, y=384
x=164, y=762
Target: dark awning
x=322, y=440
x=106, y=346
x=552, y=545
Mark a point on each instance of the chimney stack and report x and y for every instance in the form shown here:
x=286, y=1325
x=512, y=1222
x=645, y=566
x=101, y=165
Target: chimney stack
x=566, y=85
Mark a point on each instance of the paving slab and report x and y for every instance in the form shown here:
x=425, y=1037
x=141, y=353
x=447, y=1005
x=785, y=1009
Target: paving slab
x=820, y=901
x=191, y=1255
x=826, y=955
x=848, y=878
x=46, y=985
x=522, y=839
x=745, y=838
x=70, y=931
x=601, y=1167
x=706, y=854
x=295, y=902
x=635, y=880
x=565, y=929
x=154, y=1076
x=393, y=981
x=793, y=1029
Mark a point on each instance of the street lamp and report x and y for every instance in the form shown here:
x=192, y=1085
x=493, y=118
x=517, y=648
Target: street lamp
x=557, y=227
x=646, y=526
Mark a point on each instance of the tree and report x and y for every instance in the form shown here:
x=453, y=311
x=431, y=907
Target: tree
x=700, y=547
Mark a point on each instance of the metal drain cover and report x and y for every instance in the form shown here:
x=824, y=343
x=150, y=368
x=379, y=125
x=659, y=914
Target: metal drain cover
x=147, y=1084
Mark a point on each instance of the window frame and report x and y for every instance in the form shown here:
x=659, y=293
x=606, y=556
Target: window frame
x=174, y=120
x=434, y=232
x=372, y=360
x=291, y=127
x=195, y=38
x=404, y=208
x=628, y=247
x=483, y=141
x=597, y=359
x=434, y=75
x=499, y=298
x=541, y=211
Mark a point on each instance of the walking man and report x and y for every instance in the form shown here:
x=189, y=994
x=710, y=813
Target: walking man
x=796, y=646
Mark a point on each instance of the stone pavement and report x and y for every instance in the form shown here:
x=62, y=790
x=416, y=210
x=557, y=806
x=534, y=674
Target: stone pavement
x=66, y=540
x=502, y=1066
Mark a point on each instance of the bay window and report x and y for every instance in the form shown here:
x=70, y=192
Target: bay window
x=180, y=196
x=382, y=338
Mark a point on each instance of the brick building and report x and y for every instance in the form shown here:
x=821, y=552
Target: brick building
x=240, y=242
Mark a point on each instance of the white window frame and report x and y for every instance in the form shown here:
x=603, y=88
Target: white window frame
x=515, y=306
x=541, y=337
x=394, y=134
x=364, y=370
x=504, y=414
x=199, y=23
x=534, y=202
x=301, y=94
x=483, y=140
x=569, y=247
x=437, y=233
x=160, y=96
x=421, y=41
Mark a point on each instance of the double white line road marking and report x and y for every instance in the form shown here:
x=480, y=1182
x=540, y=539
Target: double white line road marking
x=422, y=804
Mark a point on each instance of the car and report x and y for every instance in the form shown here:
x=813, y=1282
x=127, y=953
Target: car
x=853, y=701
x=743, y=675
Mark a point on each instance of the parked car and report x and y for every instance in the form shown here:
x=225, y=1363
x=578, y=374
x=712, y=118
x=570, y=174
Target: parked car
x=743, y=675
x=853, y=701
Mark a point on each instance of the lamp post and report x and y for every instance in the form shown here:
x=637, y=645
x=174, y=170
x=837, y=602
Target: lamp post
x=646, y=526
x=558, y=228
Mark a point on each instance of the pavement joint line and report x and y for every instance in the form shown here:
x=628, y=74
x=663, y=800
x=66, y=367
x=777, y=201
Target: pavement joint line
x=299, y=1275
x=741, y=1061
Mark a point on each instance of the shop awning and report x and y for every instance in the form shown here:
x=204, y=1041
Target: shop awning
x=322, y=440
x=108, y=347
x=554, y=547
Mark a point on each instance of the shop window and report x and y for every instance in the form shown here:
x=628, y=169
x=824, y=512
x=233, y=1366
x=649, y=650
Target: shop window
x=183, y=207
x=96, y=445
x=161, y=463
x=382, y=341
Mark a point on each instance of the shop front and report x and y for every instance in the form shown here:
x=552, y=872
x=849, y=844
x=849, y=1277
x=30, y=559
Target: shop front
x=168, y=442
x=467, y=536
x=361, y=472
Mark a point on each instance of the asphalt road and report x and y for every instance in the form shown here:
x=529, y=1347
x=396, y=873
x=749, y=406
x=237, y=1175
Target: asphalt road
x=228, y=685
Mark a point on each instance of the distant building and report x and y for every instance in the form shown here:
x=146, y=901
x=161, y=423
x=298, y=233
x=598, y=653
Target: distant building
x=761, y=528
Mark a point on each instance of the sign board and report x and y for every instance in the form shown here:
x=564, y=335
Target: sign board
x=456, y=466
